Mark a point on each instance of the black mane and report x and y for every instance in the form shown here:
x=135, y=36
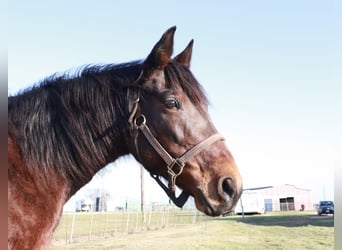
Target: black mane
x=70, y=122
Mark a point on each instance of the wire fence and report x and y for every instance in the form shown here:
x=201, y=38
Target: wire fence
x=82, y=226
x=77, y=227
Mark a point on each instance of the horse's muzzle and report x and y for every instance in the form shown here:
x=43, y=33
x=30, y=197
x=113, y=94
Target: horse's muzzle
x=229, y=193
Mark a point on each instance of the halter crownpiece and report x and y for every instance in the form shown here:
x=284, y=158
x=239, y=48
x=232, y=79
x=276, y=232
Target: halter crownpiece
x=139, y=124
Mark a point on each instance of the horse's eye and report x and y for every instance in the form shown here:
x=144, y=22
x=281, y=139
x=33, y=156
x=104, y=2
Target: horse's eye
x=172, y=103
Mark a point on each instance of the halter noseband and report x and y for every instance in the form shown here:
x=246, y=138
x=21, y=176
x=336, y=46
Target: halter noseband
x=139, y=124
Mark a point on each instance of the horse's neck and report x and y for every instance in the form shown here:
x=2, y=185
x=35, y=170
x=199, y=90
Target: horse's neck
x=34, y=207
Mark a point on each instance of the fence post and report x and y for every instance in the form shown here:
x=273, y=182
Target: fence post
x=105, y=226
x=194, y=217
x=137, y=220
x=66, y=229
x=149, y=220
x=167, y=217
x=127, y=223
x=115, y=215
x=91, y=225
x=72, y=227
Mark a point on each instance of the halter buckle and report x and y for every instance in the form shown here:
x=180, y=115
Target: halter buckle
x=172, y=174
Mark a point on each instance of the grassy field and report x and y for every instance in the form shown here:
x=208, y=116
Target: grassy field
x=286, y=230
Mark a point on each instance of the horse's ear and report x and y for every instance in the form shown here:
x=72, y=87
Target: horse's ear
x=160, y=55
x=185, y=56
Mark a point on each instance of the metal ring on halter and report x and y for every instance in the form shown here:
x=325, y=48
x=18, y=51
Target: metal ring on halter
x=140, y=121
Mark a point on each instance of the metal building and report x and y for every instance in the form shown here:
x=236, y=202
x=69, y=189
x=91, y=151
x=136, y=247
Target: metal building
x=278, y=198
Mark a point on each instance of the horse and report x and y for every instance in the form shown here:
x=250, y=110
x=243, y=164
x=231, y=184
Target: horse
x=66, y=127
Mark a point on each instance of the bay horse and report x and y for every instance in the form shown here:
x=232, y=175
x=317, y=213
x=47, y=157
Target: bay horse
x=67, y=127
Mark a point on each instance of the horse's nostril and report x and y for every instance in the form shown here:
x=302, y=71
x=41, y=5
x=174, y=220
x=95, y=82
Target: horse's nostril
x=226, y=188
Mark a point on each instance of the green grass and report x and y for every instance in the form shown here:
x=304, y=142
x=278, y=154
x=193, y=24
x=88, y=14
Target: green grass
x=287, y=230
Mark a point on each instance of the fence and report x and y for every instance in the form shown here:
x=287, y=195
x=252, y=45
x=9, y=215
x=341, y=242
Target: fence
x=82, y=226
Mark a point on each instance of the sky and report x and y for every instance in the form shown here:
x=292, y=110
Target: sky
x=271, y=70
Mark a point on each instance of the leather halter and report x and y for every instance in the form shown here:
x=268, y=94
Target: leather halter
x=139, y=124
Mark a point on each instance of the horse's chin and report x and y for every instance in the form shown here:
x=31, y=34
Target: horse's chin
x=206, y=206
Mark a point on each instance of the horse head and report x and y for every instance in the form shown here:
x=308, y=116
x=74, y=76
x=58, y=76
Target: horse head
x=174, y=136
